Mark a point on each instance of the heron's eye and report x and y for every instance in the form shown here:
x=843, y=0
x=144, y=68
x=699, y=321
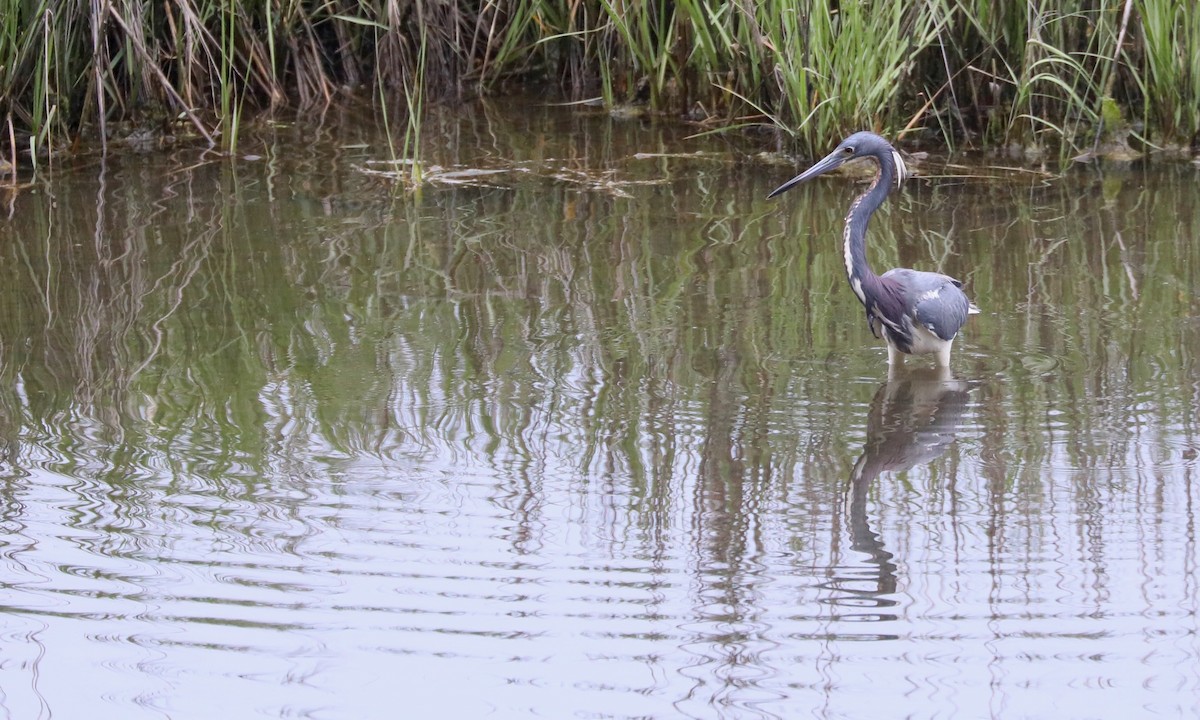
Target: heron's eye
x=847, y=150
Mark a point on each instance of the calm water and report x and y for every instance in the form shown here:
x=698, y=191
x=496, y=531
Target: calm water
x=601, y=435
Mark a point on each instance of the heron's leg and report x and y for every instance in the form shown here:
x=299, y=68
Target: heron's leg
x=895, y=372
x=895, y=357
x=943, y=354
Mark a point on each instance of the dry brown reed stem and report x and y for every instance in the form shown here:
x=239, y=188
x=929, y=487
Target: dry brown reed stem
x=166, y=85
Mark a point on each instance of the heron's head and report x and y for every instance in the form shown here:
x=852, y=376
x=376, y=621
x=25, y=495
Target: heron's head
x=858, y=145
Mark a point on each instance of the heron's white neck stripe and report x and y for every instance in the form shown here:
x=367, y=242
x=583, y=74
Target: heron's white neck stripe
x=848, y=255
x=856, y=286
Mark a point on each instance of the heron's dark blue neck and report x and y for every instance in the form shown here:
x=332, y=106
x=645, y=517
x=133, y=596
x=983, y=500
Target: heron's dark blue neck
x=854, y=243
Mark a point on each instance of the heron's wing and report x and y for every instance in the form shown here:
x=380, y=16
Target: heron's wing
x=936, y=301
x=943, y=310
x=888, y=307
x=972, y=308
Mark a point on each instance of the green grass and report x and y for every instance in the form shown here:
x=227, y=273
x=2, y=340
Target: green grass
x=958, y=72
x=1171, y=91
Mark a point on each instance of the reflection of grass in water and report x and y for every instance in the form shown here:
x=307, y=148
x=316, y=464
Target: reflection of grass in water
x=619, y=334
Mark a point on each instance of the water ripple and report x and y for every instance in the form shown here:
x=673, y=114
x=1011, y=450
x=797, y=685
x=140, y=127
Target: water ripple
x=273, y=442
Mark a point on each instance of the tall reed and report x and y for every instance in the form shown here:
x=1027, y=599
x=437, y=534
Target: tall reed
x=827, y=84
x=1171, y=101
x=968, y=71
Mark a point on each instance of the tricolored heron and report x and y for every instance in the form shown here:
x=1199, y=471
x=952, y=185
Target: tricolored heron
x=918, y=313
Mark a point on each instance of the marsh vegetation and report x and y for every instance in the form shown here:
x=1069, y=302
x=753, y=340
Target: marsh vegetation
x=1040, y=77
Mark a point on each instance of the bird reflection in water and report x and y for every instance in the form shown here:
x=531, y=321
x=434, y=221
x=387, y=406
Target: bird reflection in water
x=913, y=419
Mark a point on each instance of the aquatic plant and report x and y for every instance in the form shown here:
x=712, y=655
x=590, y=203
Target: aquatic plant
x=960, y=71
x=1171, y=49
x=827, y=85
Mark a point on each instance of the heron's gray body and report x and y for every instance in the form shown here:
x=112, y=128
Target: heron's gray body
x=931, y=309
x=915, y=312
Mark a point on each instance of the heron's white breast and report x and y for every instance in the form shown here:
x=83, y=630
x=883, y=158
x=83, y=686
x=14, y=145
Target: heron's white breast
x=925, y=342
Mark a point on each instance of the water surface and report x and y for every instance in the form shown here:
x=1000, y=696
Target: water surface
x=601, y=435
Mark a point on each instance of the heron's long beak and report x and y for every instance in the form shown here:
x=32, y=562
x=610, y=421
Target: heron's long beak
x=832, y=160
